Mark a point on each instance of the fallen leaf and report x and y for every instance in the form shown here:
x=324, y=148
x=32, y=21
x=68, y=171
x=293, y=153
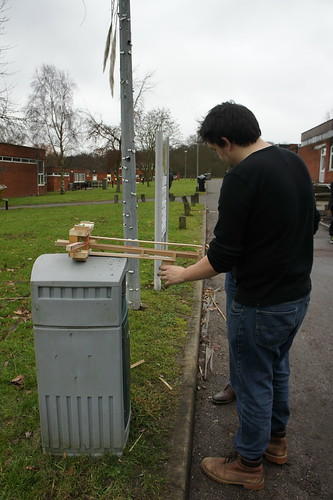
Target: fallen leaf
x=18, y=312
x=31, y=467
x=28, y=434
x=18, y=381
x=22, y=311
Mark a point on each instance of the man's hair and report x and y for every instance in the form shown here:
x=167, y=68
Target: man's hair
x=233, y=121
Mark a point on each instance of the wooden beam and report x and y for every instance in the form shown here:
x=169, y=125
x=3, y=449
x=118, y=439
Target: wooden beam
x=149, y=251
x=131, y=256
x=148, y=241
x=81, y=244
x=143, y=252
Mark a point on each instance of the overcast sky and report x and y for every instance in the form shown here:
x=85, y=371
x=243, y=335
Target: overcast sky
x=274, y=56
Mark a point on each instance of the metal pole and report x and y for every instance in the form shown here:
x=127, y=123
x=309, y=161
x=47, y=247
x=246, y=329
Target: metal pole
x=197, y=165
x=130, y=217
x=185, y=152
x=158, y=201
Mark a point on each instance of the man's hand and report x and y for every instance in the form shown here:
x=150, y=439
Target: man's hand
x=172, y=275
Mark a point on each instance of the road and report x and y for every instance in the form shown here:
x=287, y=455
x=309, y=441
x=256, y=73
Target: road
x=309, y=471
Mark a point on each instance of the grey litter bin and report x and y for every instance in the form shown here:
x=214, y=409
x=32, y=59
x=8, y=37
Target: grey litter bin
x=105, y=183
x=201, y=181
x=81, y=332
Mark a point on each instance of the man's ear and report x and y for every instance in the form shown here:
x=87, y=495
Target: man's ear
x=228, y=144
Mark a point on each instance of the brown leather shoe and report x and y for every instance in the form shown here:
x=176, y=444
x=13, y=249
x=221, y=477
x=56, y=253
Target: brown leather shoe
x=277, y=450
x=235, y=470
x=224, y=397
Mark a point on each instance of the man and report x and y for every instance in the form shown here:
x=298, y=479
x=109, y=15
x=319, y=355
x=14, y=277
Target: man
x=264, y=233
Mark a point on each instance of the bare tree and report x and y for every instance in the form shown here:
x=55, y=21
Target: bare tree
x=51, y=116
x=11, y=126
x=141, y=87
x=146, y=128
x=108, y=138
x=3, y=64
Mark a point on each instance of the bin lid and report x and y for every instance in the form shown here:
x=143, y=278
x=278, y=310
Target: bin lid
x=61, y=270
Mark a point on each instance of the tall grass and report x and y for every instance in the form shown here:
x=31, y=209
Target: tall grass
x=158, y=335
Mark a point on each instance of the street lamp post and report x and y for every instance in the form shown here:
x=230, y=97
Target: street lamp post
x=185, y=152
x=197, y=169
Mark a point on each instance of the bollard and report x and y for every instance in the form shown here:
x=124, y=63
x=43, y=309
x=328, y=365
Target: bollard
x=115, y=199
x=6, y=203
x=187, y=210
x=193, y=200
x=182, y=222
x=143, y=197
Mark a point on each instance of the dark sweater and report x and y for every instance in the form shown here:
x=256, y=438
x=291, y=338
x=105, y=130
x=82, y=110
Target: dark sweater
x=265, y=228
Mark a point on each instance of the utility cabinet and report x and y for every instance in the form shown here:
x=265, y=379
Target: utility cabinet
x=81, y=333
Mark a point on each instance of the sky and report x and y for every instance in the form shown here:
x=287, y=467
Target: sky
x=275, y=57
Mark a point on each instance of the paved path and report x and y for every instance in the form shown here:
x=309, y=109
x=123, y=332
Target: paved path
x=308, y=474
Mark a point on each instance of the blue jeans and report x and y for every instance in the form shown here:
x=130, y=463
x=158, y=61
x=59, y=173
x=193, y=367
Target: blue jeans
x=259, y=343
x=230, y=290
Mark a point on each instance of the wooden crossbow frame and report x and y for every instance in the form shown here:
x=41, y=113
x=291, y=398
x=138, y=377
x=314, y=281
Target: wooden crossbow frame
x=81, y=244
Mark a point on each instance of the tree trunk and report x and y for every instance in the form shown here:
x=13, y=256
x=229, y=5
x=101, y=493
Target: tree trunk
x=62, y=176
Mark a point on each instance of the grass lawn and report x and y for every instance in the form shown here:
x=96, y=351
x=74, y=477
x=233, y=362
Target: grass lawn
x=179, y=188
x=158, y=335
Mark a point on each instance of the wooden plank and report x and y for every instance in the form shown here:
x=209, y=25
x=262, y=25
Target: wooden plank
x=82, y=229
x=148, y=241
x=75, y=246
x=61, y=243
x=143, y=250
x=130, y=256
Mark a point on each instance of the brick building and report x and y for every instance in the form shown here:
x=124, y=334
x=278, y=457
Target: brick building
x=76, y=178
x=317, y=151
x=22, y=170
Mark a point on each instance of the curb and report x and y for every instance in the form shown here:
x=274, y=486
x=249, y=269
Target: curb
x=179, y=465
